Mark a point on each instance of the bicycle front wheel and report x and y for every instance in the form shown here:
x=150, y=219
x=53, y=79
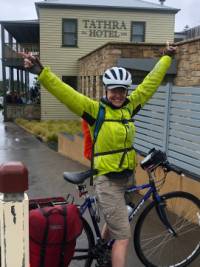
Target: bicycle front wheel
x=158, y=246
x=83, y=255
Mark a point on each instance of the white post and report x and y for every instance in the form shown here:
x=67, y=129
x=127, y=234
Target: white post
x=14, y=215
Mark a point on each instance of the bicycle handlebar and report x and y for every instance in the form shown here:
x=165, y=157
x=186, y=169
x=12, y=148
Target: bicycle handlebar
x=157, y=158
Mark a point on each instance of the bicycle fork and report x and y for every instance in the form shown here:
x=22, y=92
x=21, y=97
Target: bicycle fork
x=160, y=206
x=160, y=209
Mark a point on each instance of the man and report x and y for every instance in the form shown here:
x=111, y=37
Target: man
x=114, y=156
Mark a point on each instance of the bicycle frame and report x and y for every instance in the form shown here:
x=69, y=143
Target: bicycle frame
x=89, y=201
x=88, y=205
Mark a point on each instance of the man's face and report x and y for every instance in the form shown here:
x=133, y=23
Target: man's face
x=117, y=96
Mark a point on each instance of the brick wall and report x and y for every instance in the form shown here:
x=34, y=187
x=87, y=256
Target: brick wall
x=96, y=62
x=188, y=58
x=106, y=56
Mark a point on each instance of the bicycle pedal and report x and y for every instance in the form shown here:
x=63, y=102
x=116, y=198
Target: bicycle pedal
x=105, y=259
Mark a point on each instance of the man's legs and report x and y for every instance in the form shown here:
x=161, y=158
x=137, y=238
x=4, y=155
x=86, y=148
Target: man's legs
x=110, y=193
x=119, y=252
x=119, y=249
x=105, y=232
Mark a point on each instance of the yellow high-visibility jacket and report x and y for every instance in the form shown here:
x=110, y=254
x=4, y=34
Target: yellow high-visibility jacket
x=113, y=135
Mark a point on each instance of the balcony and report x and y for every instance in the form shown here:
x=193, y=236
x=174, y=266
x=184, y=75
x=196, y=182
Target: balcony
x=11, y=57
x=23, y=37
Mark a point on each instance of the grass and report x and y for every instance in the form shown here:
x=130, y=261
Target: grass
x=48, y=130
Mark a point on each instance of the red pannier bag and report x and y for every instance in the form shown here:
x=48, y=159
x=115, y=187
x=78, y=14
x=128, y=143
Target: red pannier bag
x=53, y=232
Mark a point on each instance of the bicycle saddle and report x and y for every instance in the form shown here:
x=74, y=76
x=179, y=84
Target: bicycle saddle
x=78, y=177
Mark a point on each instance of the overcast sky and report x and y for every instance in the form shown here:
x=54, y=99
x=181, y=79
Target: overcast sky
x=188, y=15
x=25, y=9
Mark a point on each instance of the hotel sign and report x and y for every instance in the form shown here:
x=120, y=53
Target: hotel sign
x=104, y=28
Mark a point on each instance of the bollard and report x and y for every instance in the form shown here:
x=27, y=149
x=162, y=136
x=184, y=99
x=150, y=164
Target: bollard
x=14, y=231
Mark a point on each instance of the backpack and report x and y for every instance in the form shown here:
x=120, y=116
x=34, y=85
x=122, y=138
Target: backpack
x=53, y=232
x=87, y=139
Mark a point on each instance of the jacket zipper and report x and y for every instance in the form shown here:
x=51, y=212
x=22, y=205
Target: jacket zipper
x=124, y=153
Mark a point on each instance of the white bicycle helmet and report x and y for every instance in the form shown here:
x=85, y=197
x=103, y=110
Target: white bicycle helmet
x=117, y=77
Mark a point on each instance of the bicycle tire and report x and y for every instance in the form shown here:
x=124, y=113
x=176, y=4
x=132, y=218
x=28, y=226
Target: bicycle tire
x=84, y=245
x=159, y=248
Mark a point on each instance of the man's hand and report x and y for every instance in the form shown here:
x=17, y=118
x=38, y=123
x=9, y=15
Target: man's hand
x=169, y=50
x=32, y=63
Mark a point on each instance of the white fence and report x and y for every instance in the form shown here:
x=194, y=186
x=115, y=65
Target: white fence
x=170, y=121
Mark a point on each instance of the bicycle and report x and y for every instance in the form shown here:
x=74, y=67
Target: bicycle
x=175, y=217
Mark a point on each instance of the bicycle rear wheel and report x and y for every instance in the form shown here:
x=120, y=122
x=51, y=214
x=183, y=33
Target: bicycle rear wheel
x=156, y=246
x=83, y=256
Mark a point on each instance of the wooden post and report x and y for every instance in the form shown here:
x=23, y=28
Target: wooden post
x=14, y=215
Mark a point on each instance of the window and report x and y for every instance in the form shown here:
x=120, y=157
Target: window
x=69, y=32
x=137, y=32
x=70, y=80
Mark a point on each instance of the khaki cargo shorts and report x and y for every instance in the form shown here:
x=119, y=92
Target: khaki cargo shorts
x=110, y=195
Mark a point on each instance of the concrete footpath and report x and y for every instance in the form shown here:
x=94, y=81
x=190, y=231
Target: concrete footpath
x=45, y=168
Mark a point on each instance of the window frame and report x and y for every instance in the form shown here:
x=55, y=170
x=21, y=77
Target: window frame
x=144, y=33
x=75, y=33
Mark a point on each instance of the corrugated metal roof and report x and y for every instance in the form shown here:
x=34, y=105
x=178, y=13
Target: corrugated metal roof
x=35, y=21
x=131, y=4
x=24, y=31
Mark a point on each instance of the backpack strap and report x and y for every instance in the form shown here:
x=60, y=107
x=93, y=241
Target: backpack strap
x=62, y=255
x=44, y=241
x=136, y=110
x=123, y=121
x=124, y=150
x=99, y=121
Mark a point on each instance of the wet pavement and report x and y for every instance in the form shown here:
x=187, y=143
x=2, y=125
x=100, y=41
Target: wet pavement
x=45, y=167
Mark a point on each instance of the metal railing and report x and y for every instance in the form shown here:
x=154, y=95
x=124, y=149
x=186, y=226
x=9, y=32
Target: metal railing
x=11, y=51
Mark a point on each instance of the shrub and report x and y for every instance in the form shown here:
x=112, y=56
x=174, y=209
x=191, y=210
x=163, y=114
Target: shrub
x=48, y=130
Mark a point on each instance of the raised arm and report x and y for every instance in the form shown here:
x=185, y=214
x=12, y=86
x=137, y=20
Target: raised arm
x=152, y=81
x=75, y=101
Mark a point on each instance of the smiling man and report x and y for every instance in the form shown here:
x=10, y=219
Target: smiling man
x=117, y=81
x=114, y=156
